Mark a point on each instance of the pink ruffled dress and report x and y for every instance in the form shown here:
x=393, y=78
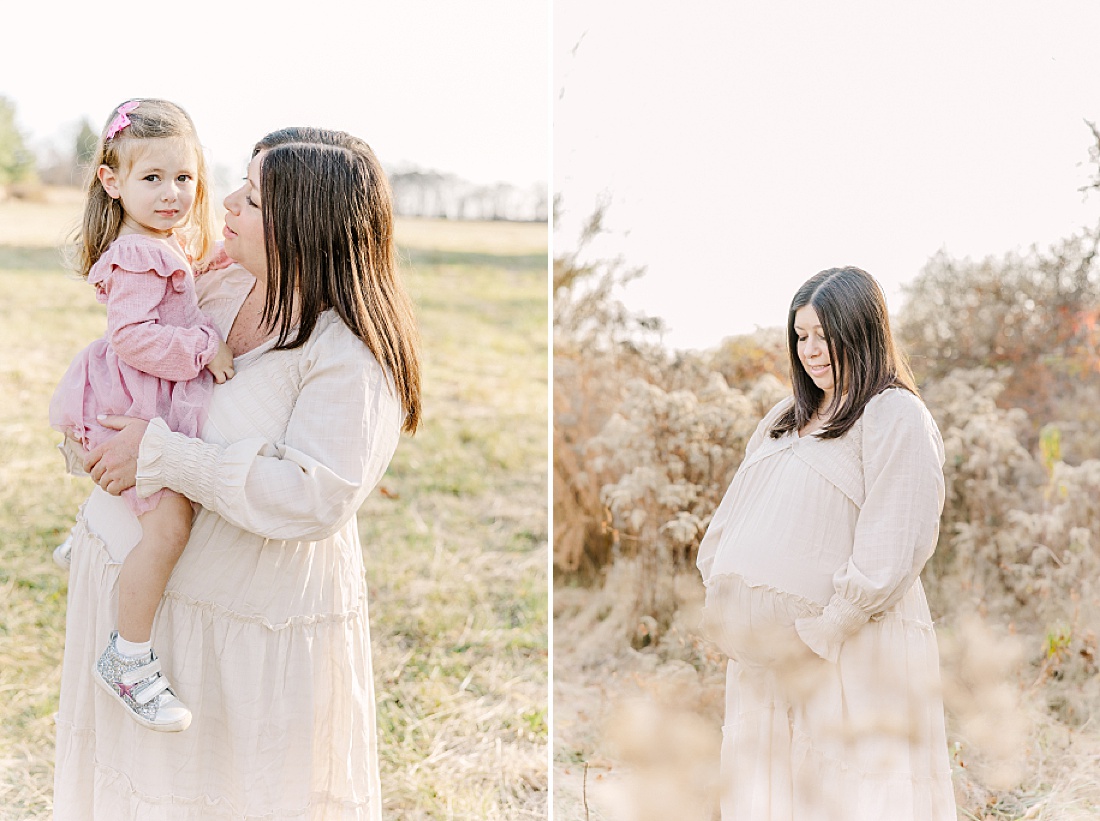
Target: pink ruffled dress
x=152, y=360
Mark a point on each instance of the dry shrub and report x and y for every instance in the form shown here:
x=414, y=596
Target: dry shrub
x=645, y=442
x=988, y=475
x=598, y=346
x=744, y=358
x=580, y=541
x=663, y=461
x=1035, y=315
x=1006, y=351
x=696, y=438
x=1020, y=538
x=1057, y=547
x=588, y=388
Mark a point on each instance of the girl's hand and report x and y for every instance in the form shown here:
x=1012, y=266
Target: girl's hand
x=222, y=364
x=113, y=465
x=217, y=262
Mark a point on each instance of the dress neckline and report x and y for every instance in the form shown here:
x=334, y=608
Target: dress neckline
x=247, y=357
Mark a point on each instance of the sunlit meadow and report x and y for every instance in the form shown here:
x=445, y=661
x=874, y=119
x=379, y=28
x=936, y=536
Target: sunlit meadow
x=455, y=538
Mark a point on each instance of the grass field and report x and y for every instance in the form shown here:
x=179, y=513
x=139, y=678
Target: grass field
x=455, y=544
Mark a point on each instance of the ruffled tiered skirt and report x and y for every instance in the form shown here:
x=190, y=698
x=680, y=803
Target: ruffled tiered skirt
x=267, y=642
x=807, y=740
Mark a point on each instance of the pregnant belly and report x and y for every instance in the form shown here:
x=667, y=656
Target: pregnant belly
x=754, y=624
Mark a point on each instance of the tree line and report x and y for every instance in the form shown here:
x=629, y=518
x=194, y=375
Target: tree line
x=417, y=192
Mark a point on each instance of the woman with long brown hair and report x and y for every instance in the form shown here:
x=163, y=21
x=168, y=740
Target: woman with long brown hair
x=266, y=612
x=811, y=564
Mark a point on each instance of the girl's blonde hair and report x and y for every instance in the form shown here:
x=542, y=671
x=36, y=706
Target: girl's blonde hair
x=151, y=119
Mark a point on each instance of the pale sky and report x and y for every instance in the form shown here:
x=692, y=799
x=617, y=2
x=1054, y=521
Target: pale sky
x=456, y=87
x=746, y=146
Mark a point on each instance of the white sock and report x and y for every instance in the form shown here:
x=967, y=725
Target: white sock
x=133, y=649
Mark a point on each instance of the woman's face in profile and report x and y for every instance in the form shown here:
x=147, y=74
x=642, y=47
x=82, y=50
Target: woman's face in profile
x=813, y=349
x=244, y=224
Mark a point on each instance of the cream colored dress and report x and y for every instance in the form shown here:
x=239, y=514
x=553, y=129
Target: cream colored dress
x=263, y=630
x=811, y=564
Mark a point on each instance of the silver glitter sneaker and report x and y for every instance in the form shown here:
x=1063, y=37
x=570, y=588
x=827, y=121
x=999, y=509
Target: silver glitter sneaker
x=63, y=553
x=138, y=686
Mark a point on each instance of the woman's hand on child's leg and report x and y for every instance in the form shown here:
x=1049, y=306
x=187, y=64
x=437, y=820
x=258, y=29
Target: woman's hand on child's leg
x=113, y=465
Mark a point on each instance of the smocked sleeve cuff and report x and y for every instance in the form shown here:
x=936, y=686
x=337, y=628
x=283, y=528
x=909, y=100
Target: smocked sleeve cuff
x=211, y=475
x=165, y=456
x=824, y=634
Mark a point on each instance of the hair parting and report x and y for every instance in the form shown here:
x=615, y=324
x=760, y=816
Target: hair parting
x=866, y=360
x=328, y=212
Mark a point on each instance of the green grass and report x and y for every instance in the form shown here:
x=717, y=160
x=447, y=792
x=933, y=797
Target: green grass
x=455, y=539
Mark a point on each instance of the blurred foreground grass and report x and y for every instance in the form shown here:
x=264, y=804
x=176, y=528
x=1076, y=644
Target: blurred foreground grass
x=455, y=539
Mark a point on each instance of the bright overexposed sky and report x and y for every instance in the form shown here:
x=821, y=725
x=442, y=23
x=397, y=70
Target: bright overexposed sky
x=455, y=87
x=746, y=146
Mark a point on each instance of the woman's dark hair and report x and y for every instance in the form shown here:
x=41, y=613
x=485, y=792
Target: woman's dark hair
x=852, y=310
x=328, y=232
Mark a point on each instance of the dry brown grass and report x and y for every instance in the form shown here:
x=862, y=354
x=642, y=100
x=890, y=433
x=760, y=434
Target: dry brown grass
x=645, y=723
x=456, y=548
x=1017, y=549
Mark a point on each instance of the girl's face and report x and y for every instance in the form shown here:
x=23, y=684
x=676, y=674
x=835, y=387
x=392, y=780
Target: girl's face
x=813, y=350
x=244, y=223
x=157, y=190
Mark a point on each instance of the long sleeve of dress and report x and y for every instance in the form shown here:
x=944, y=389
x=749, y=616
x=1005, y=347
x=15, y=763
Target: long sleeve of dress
x=141, y=340
x=708, y=547
x=898, y=522
x=341, y=434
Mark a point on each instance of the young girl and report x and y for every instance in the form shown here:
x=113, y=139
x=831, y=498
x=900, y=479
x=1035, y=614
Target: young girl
x=147, y=213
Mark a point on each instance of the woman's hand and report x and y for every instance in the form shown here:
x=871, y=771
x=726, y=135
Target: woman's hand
x=113, y=465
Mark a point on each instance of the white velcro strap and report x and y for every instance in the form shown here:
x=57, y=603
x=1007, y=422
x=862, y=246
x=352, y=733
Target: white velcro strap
x=147, y=694
x=139, y=673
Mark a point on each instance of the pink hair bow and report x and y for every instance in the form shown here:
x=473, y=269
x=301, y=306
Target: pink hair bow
x=121, y=120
